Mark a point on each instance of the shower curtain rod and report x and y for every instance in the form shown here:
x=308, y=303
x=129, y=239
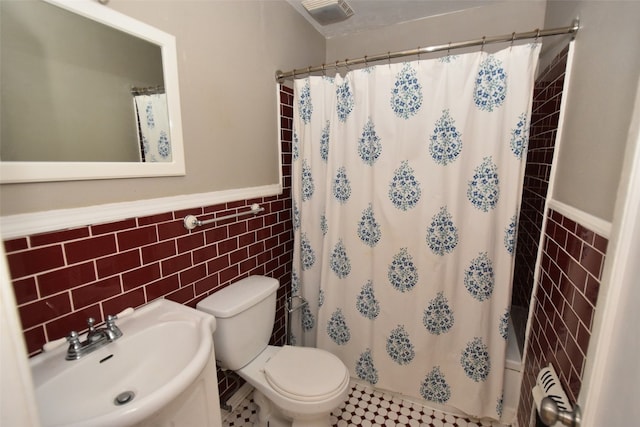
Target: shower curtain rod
x=537, y=33
x=152, y=90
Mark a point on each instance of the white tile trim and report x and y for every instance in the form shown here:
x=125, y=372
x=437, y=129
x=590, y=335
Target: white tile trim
x=593, y=223
x=13, y=226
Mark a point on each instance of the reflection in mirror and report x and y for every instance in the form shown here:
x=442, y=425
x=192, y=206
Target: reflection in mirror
x=87, y=93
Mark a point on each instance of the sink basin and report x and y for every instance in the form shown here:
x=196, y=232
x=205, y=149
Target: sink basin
x=164, y=347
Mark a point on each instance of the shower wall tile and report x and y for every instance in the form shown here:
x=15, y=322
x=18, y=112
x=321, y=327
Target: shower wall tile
x=570, y=274
x=63, y=277
x=542, y=135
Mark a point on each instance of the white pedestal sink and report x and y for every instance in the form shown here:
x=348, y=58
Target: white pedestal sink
x=160, y=372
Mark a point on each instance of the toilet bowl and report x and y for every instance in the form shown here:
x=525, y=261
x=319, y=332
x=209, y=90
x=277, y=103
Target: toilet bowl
x=294, y=386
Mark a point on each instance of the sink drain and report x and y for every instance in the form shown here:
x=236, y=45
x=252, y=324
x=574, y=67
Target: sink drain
x=124, y=398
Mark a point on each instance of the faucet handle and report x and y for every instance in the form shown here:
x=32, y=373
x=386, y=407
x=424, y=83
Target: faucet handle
x=73, y=339
x=75, y=347
x=90, y=322
x=112, y=328
x=111, y=319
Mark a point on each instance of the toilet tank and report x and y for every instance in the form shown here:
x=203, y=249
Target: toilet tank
x=245, y=312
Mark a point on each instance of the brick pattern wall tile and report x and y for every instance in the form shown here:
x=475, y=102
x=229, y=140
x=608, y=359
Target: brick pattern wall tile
x=63, y=277
x=542, y=135
x=571, y=270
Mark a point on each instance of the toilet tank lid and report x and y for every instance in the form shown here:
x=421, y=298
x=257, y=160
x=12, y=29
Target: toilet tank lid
x=238, y=296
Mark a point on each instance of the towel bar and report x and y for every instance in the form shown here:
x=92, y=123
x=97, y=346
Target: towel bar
x=191, y=222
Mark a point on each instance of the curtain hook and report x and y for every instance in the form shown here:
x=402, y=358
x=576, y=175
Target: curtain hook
x=389, y=58
x=537, y=35
x=293, y=73
x=449, y=49
x=484, y=39
x=418, y=53
x=366, y=62
x=346, y=65
x=513, y=37
x=324, y=71
x=337, y=68
x=309, y=71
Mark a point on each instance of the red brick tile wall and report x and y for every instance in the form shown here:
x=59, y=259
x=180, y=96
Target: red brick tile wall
x=542, y=136
x=63, y=277
x=571, y=270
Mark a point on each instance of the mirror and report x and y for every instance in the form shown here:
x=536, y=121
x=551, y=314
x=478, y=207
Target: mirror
x=87, y=93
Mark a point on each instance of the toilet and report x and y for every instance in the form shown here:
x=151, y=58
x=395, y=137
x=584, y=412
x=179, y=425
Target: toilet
x=294, y=386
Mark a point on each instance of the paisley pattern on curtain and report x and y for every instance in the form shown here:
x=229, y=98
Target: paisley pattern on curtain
x=407, y=185
x=153, y=127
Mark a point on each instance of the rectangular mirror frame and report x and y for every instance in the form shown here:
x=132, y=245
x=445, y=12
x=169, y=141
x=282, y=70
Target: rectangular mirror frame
x=19, y=172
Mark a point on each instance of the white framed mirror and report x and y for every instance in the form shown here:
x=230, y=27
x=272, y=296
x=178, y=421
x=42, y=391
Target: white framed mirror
x=120, y=69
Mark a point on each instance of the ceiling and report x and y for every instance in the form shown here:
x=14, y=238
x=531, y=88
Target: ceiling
x=370, y=14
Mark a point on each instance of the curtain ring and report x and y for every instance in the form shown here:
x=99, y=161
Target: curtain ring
x=366, y=63
x=337, y=67
x=346, y=65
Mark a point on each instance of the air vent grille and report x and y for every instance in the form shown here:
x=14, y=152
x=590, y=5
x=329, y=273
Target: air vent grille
x=328, y=11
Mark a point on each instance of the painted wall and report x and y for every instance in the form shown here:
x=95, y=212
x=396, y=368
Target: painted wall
x=228, y=52
x=601, y=95
x=491, y=20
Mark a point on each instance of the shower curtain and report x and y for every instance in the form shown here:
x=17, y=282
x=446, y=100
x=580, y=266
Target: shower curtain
x=406, y=188
x=153, y=127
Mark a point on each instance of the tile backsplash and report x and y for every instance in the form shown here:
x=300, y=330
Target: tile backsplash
x=63, y=277
x=571, y=270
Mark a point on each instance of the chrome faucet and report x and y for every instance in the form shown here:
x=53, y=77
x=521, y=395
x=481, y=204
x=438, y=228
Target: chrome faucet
x=96, y=338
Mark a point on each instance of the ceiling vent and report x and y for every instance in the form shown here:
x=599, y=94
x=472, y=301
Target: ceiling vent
x=328, y=11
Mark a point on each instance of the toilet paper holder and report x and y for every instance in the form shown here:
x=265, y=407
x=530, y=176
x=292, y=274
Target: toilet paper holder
x=550, y=414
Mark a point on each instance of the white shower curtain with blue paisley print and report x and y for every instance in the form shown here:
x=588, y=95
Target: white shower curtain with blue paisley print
x=406, y=191
x=153, y=127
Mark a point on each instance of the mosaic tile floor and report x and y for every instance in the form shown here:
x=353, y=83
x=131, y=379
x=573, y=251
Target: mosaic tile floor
x=366, y=407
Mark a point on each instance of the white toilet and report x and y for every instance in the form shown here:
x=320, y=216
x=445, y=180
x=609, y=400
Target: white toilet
x=294, y=386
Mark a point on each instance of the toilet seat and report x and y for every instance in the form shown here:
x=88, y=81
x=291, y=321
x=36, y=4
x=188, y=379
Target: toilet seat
x=305, y=374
